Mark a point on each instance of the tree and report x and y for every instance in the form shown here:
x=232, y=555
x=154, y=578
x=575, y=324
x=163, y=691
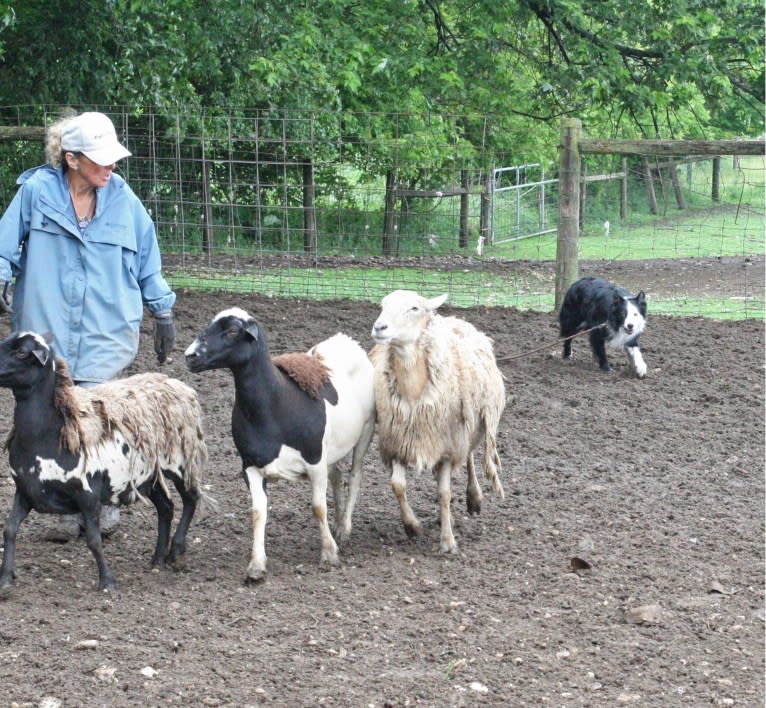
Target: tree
x=676, y=67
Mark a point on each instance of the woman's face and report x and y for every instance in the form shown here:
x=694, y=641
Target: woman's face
x=95, y=175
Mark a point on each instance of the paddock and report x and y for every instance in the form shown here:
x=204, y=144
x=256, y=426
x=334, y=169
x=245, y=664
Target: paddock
x=621, y=494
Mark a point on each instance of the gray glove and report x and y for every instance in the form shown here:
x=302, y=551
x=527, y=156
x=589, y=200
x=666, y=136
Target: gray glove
x=6, y=306
x=164, y=335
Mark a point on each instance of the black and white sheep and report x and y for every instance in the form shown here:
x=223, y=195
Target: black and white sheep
x=294, y=416
x=438, y=393
x=73, y=449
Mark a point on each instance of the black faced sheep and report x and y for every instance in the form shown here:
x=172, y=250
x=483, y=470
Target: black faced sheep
x=438, y=394
x=73, y=449
x=294, y=416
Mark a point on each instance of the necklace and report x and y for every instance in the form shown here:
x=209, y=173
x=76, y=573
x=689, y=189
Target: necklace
x=84, y=215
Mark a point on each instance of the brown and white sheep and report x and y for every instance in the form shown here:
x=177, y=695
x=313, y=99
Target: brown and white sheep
x=73, y=449
x=438, y=394
x=294, y=416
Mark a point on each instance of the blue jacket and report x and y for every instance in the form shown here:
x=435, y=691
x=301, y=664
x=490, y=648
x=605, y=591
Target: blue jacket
x=87, y=288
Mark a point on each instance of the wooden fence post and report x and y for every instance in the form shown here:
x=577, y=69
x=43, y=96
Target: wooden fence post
x=567, y=267
x=486, y=204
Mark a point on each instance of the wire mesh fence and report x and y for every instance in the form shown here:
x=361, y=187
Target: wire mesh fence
x=340, y=205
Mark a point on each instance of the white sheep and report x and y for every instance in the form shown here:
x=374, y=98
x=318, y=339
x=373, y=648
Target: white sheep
x=73, y=449
x=438, y=393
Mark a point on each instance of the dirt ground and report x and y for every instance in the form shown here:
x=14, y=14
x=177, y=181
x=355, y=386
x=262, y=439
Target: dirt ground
x=656, y=484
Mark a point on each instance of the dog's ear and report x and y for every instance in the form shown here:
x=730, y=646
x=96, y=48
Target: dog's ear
x=641, y=302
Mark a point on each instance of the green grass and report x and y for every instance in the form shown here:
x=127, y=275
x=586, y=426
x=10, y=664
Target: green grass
x=720, y=232
x=466, y=289
x=735, y=227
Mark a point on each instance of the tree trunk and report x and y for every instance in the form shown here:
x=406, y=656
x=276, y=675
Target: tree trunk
x=583, y=189
x=715, y=193
x=309, y=212
x=207, y=207
x=389, y=219
x=624, y=190
x=649, y=179
x=464, y=203
x=680, y=201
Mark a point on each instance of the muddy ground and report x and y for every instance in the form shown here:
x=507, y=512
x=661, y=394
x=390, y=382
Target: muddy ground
x=656, y=484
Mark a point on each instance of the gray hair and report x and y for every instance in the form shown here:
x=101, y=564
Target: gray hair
x=54, y=153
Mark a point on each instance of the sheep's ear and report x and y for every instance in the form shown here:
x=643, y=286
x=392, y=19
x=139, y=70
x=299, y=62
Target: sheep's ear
x=48, y=337
x=42, y=354
x=251, y=328
x=435, y=302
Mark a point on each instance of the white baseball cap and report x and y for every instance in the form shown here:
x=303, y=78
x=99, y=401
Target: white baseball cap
x=94, y=136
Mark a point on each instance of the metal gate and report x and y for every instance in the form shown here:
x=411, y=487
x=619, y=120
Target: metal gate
x=523, y=203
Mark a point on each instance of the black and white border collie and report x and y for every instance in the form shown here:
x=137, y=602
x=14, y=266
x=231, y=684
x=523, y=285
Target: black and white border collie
x=594, y=301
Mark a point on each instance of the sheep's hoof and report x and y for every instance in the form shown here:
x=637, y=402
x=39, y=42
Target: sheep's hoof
x=448, y=548
x=412, y=530
x=5, y=590
x=109, y=587
x=328, y=560
x=474, y=505
x=254, y=577
x=341, y=535
x=177, y=564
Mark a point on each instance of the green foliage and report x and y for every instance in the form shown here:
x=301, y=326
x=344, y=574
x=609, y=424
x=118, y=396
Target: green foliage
x=677, y=69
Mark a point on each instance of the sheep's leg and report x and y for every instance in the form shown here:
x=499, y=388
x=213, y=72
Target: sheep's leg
x=399, y=486
x=355, y=480
x=19, y=511
x=447, y=544
x=190, y=498
x=473, y=490
x=329, y=552
x=106, y=580
x=492, y=464
x=339, y=498
x=256, y=571
x=164, y=506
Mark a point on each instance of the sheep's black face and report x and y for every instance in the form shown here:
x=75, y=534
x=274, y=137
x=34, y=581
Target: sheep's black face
x=225, y=343
x=23, y=357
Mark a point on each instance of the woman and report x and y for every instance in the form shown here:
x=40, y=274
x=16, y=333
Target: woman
x=83, y=254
